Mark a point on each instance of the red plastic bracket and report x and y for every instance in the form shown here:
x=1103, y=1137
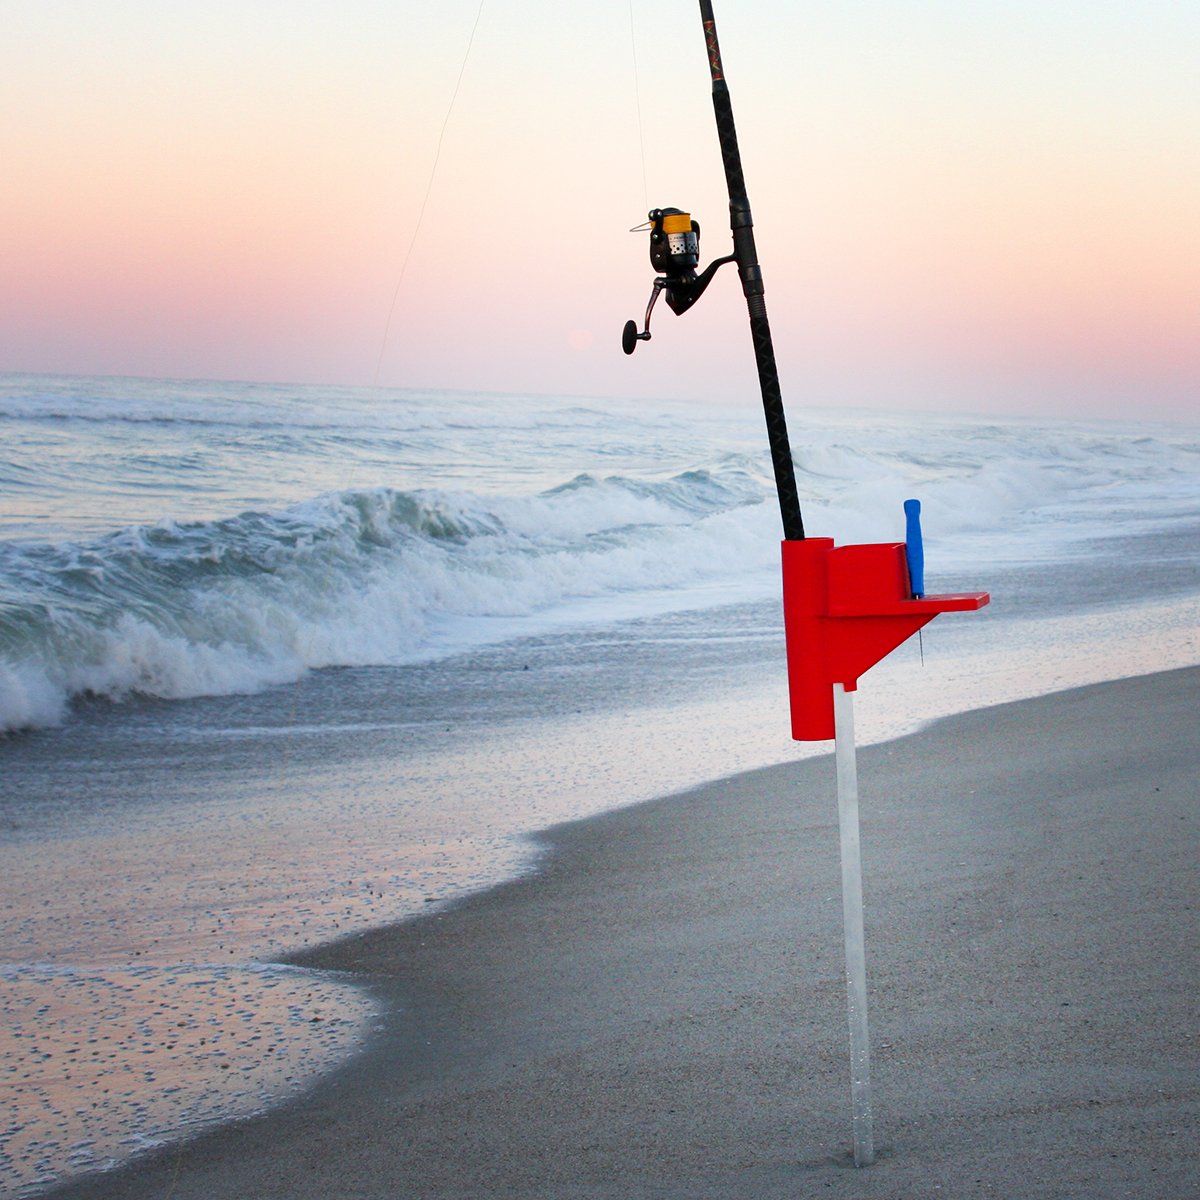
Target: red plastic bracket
x=844, y=609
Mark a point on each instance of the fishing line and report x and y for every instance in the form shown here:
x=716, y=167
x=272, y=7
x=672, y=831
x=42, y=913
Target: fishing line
x=637, y=96
x=428, y=189
x=285, y=773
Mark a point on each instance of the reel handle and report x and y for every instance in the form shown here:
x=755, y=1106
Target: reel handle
x=630, y=337
x=682, y=292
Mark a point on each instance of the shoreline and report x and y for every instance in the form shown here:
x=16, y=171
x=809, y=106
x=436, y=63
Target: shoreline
x=658, y=1009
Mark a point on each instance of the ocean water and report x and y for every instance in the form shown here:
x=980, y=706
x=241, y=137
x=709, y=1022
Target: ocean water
x=281, y=663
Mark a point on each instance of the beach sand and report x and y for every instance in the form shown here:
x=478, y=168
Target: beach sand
x=660, y=1010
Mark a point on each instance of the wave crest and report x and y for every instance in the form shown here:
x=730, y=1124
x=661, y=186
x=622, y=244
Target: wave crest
x=349, y=578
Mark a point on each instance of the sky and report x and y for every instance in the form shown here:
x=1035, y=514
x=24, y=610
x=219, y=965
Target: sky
x=988, y=206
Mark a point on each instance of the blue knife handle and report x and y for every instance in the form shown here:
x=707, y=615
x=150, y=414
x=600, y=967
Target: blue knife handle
x=914, y=548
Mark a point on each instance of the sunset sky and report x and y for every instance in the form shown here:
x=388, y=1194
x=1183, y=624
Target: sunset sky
x=972, y=207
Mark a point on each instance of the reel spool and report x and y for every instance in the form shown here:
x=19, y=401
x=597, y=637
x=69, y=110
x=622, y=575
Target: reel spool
x=674, y=242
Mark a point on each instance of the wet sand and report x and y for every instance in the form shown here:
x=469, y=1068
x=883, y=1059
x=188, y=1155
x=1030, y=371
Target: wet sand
x=660, y=1011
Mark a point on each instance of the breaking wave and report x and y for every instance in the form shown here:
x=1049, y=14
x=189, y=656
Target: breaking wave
x=351, y=578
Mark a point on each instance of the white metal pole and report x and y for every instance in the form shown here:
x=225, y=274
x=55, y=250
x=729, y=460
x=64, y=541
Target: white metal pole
x=852, y=917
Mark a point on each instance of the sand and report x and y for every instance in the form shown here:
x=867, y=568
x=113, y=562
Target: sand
x=660, y=1011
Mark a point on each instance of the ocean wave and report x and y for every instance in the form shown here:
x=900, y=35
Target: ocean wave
x=378, y=575
x=351, y=578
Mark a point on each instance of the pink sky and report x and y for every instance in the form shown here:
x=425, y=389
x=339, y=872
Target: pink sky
x=991, y=207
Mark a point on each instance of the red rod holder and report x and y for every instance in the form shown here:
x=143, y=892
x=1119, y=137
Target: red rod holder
x=844, y=609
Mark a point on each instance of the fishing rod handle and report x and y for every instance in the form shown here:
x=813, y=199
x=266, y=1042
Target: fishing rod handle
x=777, y=434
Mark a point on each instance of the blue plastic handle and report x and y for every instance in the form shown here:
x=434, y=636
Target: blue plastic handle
x=914, y=548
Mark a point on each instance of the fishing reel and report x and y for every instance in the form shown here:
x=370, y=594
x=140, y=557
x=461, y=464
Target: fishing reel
x=674, y=254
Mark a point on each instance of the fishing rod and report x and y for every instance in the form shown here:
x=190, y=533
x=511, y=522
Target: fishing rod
x=844, y=608
x=675, y=255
